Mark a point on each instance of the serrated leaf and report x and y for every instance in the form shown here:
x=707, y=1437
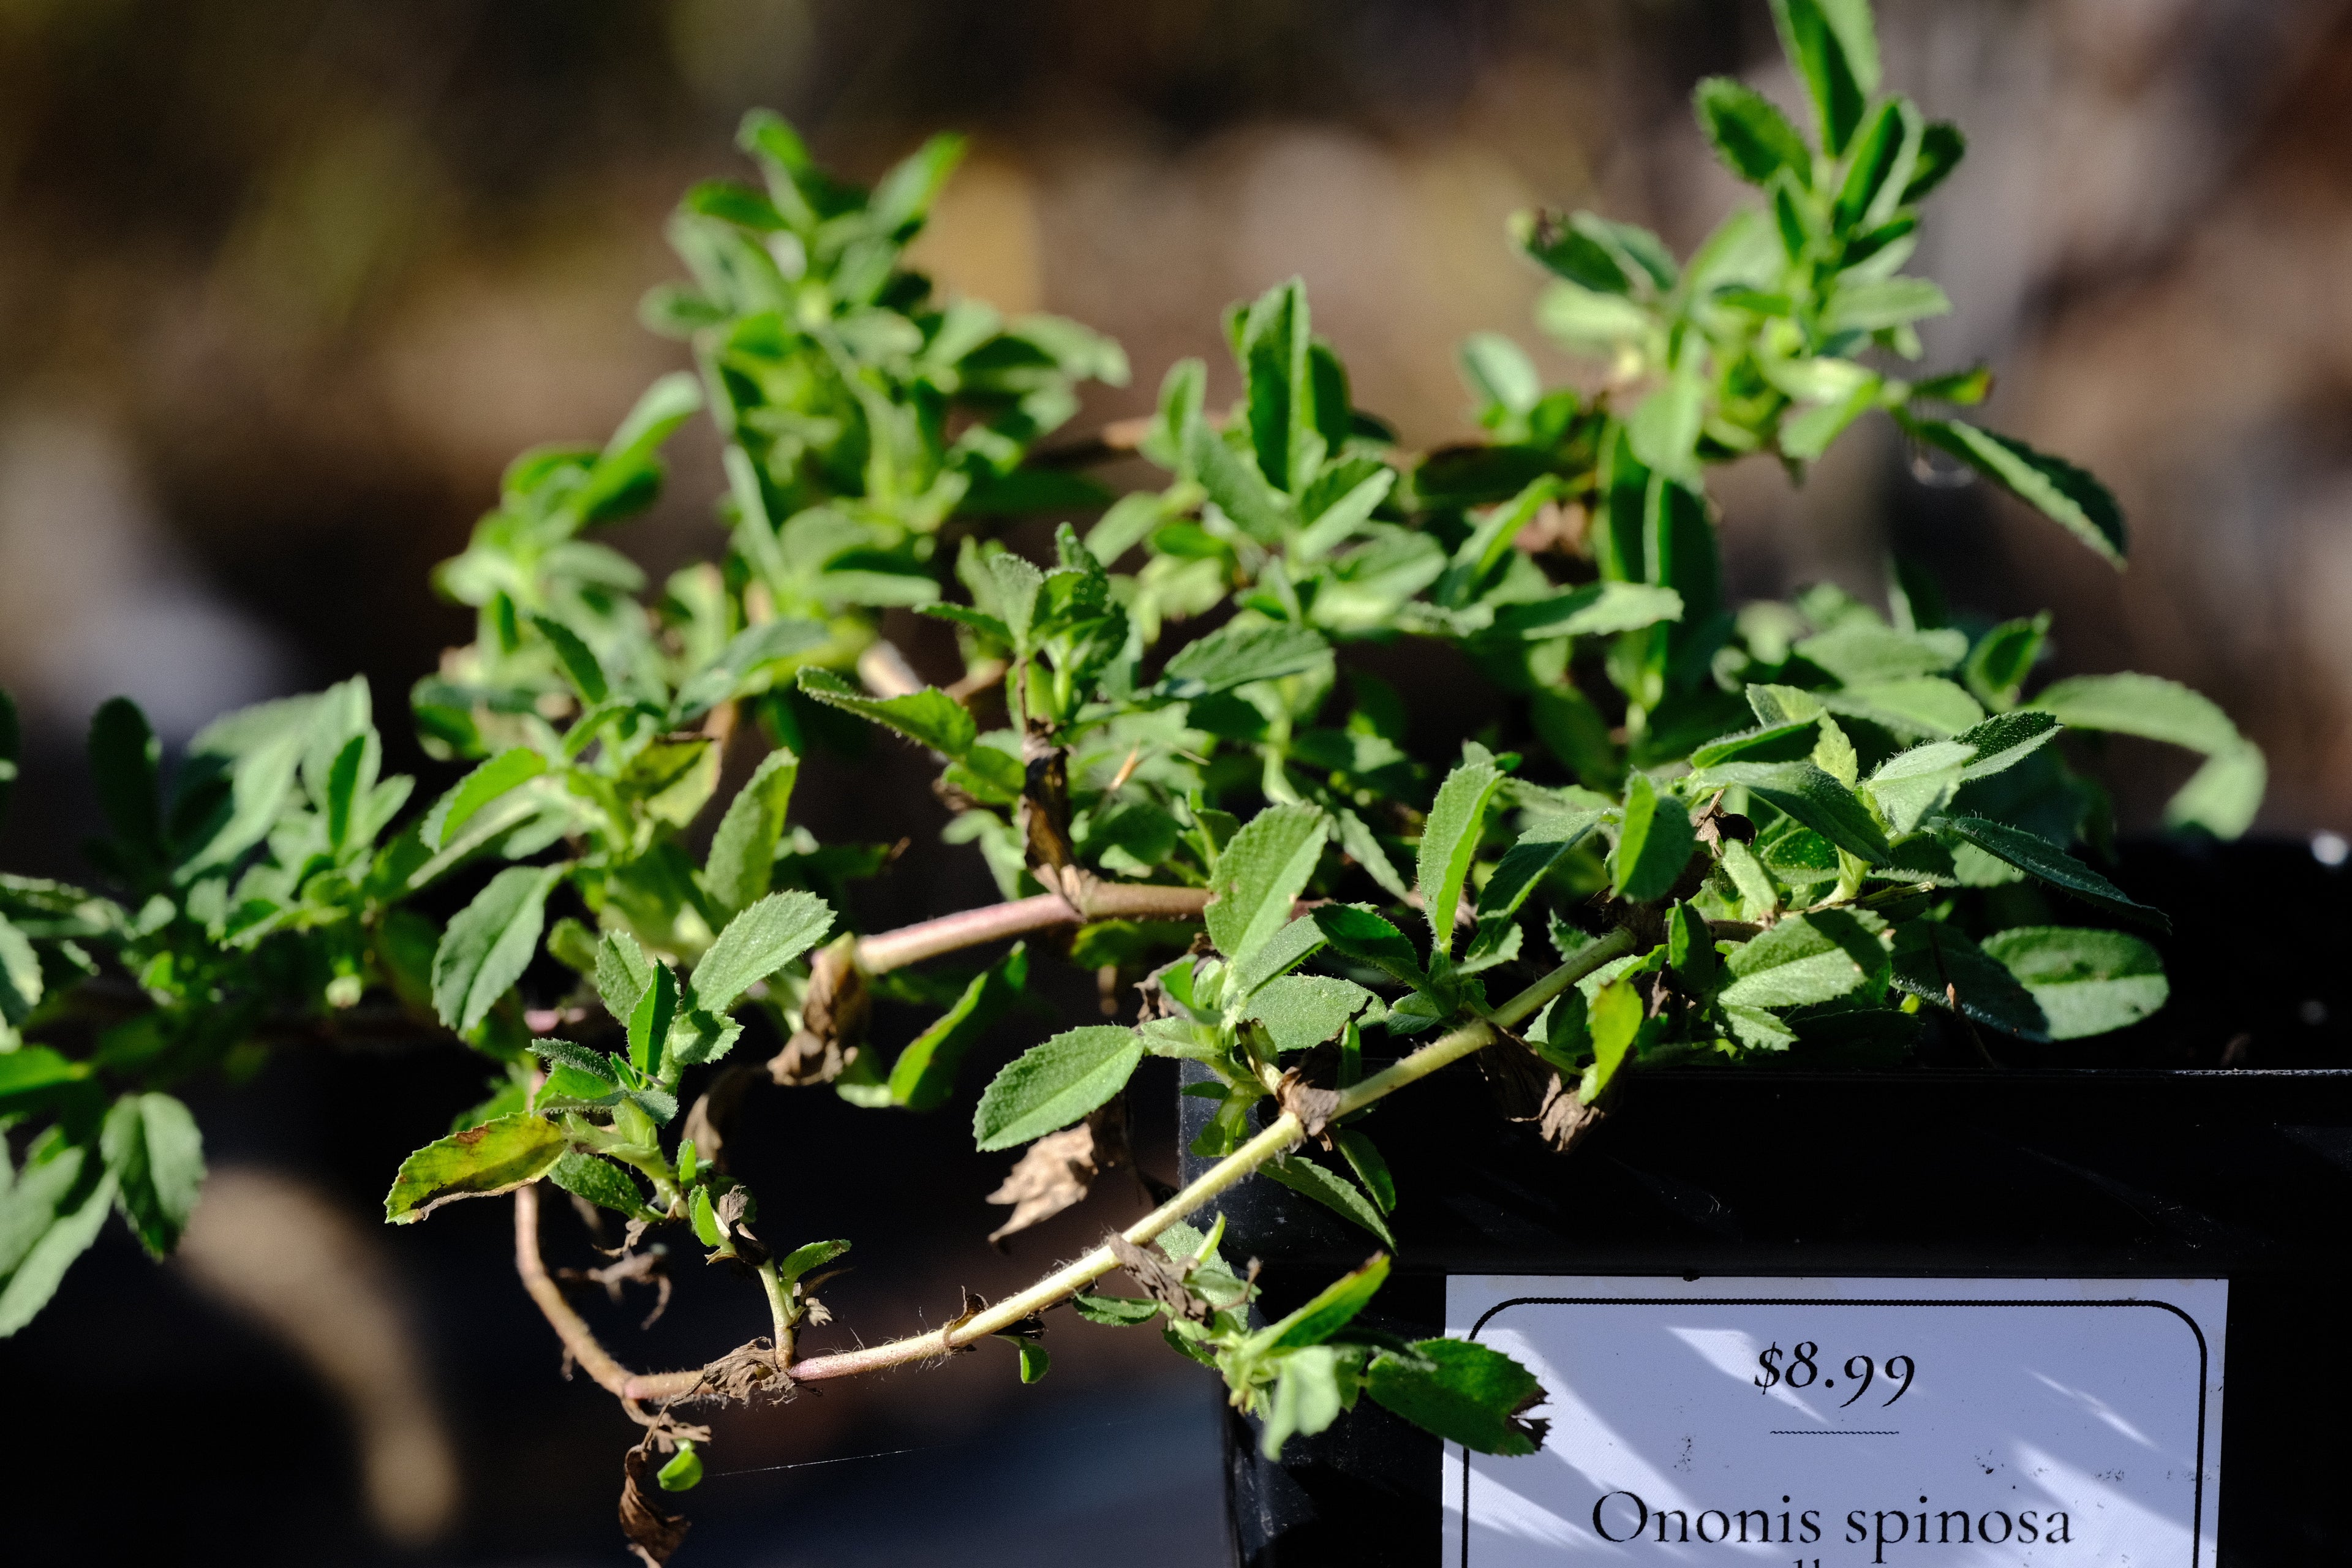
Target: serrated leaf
x=1834, y=46
x=1813, y=797
x=743, y=850
x=1362, y=934
x=481, y=1161
x=1938, y=964
x=2001, y=660
x=649, y=1021
x=925, y=1072
x=1331, y=1190
x=1115, y=1312
x=1654, y=843
x=2056, y=488
x=1805, y=959
x=1464, y=1391
x=765, y=937
x=490, y=942
x=1331, y=1309
x=2002, y=742
x=599, y=1180
x=565, y=1054
x=811, y=1256
x=1260, y=875
x=1238, y=653
x=1052, y=1085
x=623, y=972
x=1306, y=1396
x=155, y=1154
x=2085, y=982
x=1449, y=839
x=1526, y=863
x=579, y=662
x=1749, y=133
x=2052, y=866
x=1300, y=1012
x=48, y=1216
x=1913, y=783
x=507, y=771
x=1288, y=948
x=929, y=716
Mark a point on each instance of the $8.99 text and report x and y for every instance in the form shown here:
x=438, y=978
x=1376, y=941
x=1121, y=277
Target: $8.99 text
x=1802, y=1369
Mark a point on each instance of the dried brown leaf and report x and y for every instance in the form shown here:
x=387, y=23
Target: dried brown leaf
x=1159, y=1275
x=1059, y=1168
x=834, y=1012
x=654, y=1533
x=1314, y=1106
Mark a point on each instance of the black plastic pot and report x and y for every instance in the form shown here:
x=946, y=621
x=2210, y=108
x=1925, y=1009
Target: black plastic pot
x=2018, y=1173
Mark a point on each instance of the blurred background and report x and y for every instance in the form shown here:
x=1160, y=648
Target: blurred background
x=286, y=282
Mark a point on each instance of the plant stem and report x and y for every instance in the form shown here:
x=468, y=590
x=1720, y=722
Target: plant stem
x=995, y=923
x=1280, y=1136
x=780, y=1310
x=578, y=1339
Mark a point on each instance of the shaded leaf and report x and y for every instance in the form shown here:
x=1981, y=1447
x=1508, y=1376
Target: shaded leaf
x=1654, y=843
x=2048, y=863
x=490, y=942
x=2085, y=982
x=1804, y=959
x=156, y=1157
x=1331, y=1190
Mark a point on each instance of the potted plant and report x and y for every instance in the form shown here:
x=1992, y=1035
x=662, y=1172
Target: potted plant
x=1709, y=850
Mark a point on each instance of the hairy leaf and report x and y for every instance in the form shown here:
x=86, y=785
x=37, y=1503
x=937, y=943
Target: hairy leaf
x=1654, y=843
x=1940, y=965
x=2051, y=485
x=507, y=771
x=156, y=1157
x=1052, y=1085
x=765, y=937
x=1238, y=653
x=1302, y=1011
x=2085, y=982
x=929, y=716
x=2048, y=863
x=1449, y=839
x=601, y=1182
x=1359, y=934
x=1260, y=875
x=1804, y=959
x=1810, y=796
x=743, y=850
x=1751, y=136
x=481, y=1161
x=490, y=942
x=1465, y=1392
x=1333, y=1190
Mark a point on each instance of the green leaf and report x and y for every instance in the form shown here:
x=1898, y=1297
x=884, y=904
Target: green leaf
x=2085, y=982
x=1464, y=1391
x=1595, y=609
x=156, y=1157
x=1911, y=783
x=684, y=1470
x=490, y=942
x=623, y=972
x=1941, y=148
x=1306, y=1397
x=1370, y=1169
x=1805, y=959
x=1238, y=653
x=1260, y=875
x=1938, y=964
x=1052, y=1085
x=812, y=1256
x=929, y=716
x=1614, y=1020
x=1526, y=862
x=765, y=937
x=1654, y=843
x=2145, y=705
x=1362, y=934
x=2051, y=485
x=1690, y=949
x=601, y=1182
x=1333, y=1307
x=650, y=1021
x=2002, y=742
x=1035, y=1362
x=48, y=1216
x=20, y=978
x=1997, y=666
x=1288, y=948
x=32, y=1076
x=1235, y=485
x=579, y=662
x=2224, y=796
x=479, y=1163
x=743, y=850
x=1499, y=372
x=1835, y=48
x=1333, y=1190
x=123, y=753
x=1302, y=1011
x=705, y=1220
x=2048, y=863
x=1862, y=653
x=493, y=778
x=1115, y=1312
x=925, y=1072
x=1810, y=796
x=1449, y=839
x=565, y=1054
x=1751, y=136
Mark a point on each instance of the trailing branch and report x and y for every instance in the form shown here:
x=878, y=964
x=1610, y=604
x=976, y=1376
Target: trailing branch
x=996, y=922
x=1285, y=1132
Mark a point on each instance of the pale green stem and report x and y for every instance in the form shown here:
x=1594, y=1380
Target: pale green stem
x=780, y=1310
x=1279, y=1136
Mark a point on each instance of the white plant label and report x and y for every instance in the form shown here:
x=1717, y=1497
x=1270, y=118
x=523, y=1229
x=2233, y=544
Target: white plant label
x=1839, y=1423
